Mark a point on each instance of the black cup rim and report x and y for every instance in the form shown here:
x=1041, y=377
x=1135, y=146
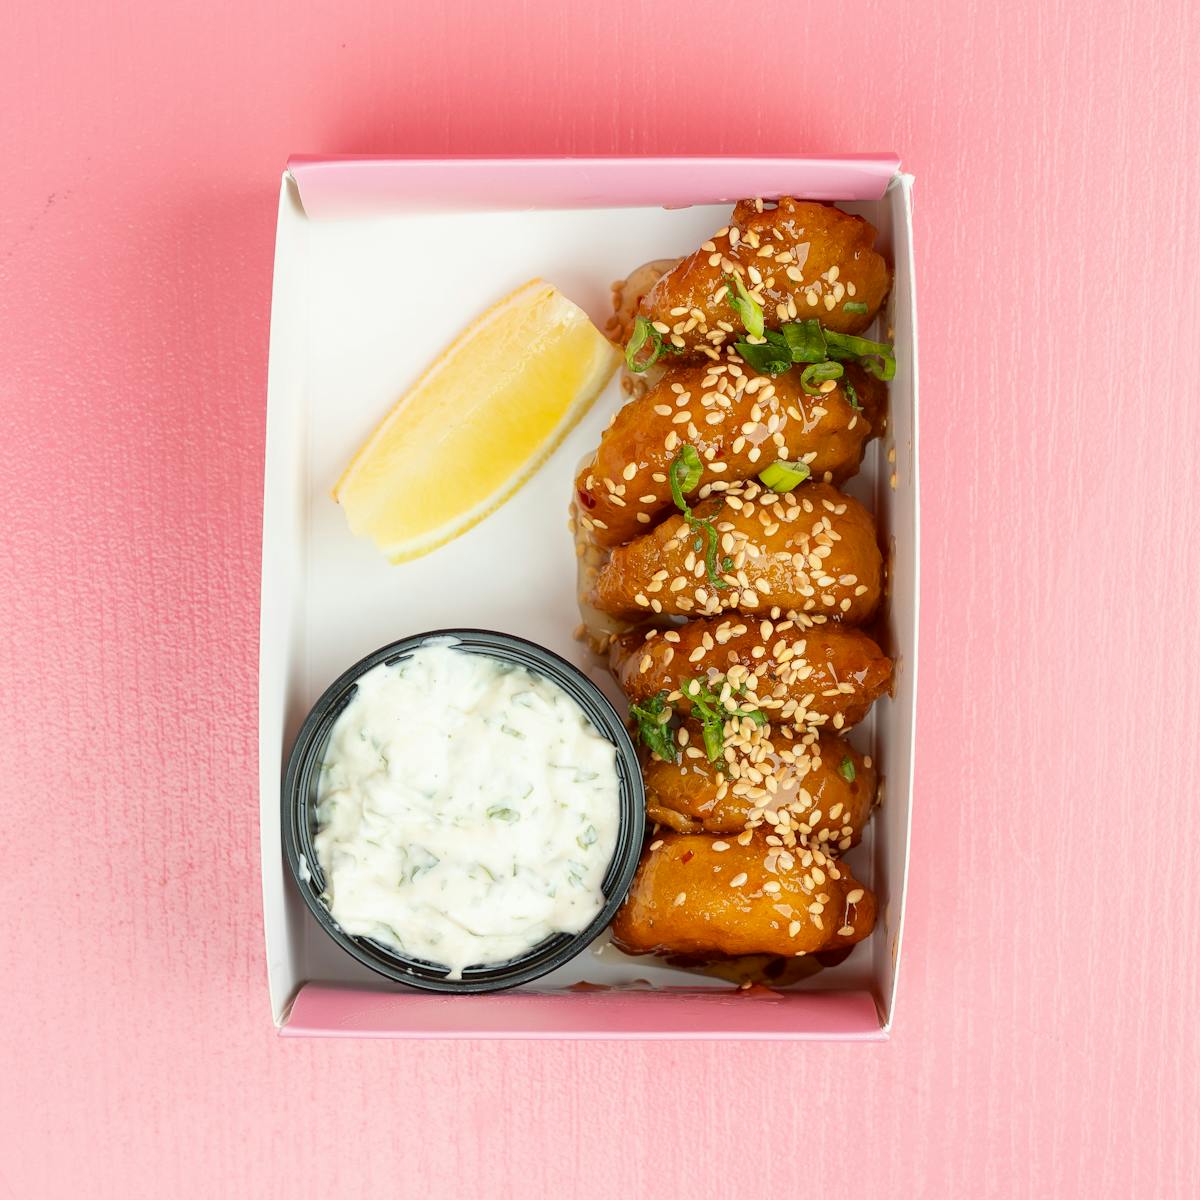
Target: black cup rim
x=305, y=758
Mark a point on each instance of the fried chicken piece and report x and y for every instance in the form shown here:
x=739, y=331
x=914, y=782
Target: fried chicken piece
x=739, y=422
x=823, y=793
x=695, y=894
x=797, y=260
x=812, y=550
x=822, y=675
x=628, y=294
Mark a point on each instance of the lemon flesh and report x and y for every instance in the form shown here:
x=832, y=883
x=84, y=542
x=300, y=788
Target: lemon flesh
x=477, y=424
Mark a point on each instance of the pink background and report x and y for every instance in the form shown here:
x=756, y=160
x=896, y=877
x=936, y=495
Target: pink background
x=1046, y=1038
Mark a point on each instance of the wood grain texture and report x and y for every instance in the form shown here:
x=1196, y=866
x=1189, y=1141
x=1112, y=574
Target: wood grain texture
x=1045, y=1042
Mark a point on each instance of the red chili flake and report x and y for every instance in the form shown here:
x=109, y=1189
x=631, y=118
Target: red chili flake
x=686, y=857
x=586, y=499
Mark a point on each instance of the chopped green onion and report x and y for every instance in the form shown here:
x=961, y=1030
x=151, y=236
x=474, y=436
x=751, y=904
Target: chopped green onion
x=714, y=740
x=881, y=367
x=817, y=373
x=498, y=812
x=806, y=341
x=846, y=770
x=876, y=358
x=653, y=726
x=686, y=470
x=684, y=475
x=851, y=395
x=643, y=332
x=710, y=711
x=710, y=554
x=744, y=305
x=854, y=306
x=769, y=357
x=783, y=476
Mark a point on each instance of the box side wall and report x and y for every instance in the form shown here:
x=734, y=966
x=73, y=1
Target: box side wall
x=282, y=588
x=359, y=186
x=324, y=1011
x=897, y=503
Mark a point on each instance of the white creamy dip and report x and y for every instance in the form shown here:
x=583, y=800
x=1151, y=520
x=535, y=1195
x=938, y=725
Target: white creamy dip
x=467, y=809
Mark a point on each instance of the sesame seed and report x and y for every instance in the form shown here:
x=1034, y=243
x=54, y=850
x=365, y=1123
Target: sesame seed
x=719, y=847
x=738, y=880
x=656, y=845
x=855, y=896
x=680, y=899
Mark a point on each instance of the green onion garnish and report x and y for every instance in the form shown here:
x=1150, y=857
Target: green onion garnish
x=767, y=358
x=806, y=341
x=876, y=358
x=653, y=726
x=846, y=770
x=851, y=395
x=784, y=476
x=712, y=714
x=744, y=305
x=686, y=470
x=854, y=306
x=714, y=740
x=817, y=373
x=643, y=332
x=684, y=476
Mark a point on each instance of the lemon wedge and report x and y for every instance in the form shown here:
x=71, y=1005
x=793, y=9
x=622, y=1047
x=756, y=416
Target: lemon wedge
x=477, y=424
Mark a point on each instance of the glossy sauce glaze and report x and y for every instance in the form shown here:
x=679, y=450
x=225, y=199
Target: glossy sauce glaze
x=467, y=809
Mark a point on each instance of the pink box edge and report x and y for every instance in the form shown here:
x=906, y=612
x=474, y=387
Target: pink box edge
x=346, y=186
x=356, y=185
x=326, y=1010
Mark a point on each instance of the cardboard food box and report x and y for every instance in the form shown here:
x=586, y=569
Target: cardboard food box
x=379, y=263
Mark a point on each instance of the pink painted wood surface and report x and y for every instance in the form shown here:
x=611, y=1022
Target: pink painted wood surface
x=1046, y=1041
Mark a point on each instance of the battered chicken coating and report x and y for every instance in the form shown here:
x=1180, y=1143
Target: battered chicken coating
x=812, y=550
x=628, y=294
x=824, y=793
x=797, y=260
x=811, y=677
x=695, y=894
x=739, y=422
